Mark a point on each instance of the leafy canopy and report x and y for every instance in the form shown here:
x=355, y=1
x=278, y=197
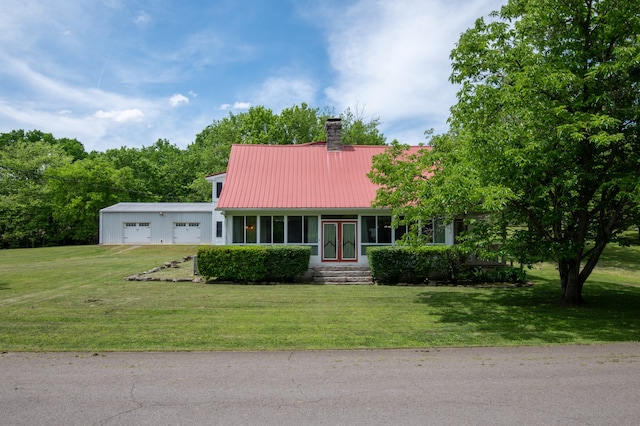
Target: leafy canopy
x=545, y=133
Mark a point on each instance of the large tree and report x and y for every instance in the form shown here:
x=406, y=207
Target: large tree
x=545, y=134
x=77, y=191
x=25, y=214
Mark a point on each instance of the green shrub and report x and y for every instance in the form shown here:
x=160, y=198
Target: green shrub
x=389, y=264
x=253, y=263
x=447, y=262
x=394, y=264
x=497, y=275
x=285, y=263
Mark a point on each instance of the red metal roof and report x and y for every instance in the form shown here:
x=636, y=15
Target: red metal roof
x=299, y=176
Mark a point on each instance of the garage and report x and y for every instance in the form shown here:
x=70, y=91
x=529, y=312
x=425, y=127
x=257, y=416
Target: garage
x=136, y=233
x=186, y=233
x=157, y=223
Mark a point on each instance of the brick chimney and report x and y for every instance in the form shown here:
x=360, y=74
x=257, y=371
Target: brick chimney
x=333, y=128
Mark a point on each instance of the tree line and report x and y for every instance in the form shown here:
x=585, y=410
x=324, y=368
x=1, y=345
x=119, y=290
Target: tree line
x=51, y=189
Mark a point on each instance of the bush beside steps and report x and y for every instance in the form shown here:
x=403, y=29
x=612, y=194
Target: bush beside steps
x=393, y=265
x=253, y=264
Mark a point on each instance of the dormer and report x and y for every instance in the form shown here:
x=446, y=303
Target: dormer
x=217, y=182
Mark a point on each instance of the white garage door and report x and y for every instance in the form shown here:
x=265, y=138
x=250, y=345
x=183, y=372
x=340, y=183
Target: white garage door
x=186, y=233
x=137, y=233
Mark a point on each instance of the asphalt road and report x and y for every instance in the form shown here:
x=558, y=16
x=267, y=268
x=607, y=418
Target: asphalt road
x=559, y=385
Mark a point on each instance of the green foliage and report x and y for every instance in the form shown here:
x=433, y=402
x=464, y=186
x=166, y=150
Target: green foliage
x=286, y=263
x=496, y=275
x=25, y=214
x=161, y=172
x=70, y=147
x=395, y=264
x=544, y=137
x=357, y=131
x=548, y=111
x=253, y=263
x=78, y=191
x=232, y=263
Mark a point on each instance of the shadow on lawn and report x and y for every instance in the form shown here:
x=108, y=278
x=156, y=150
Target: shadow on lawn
x=617, y=256
x=611, y=313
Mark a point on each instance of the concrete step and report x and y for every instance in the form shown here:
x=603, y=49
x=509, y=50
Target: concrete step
x=343, y=280
x=342, y=275
x=326, y=273
x=341, y=268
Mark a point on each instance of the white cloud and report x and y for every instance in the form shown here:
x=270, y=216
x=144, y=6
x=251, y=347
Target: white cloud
x=142, y=18
x=178, y=99
x=284, y=91
x=235, y=105
x=123, y=116
x=241, y=105
x=393, y=57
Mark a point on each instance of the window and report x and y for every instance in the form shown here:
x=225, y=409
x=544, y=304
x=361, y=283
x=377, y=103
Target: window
x=399, y=232
x=265, y=229
x=218, y=189
x=278, y=229
x=136, y=224
x=311, y=229
x=458, y=228
x=184, y=224
x=384, y=229
x=438, y=232
x=218, y=229
x=379, y=230
x=376, y=229
x=238, y=230
x=245, y=230
x=294, y=231
x=274, y=230
x=434, y=231
x=251, y=228
x=369, y=234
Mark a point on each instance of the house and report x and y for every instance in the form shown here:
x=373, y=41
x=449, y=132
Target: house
x=316, y=194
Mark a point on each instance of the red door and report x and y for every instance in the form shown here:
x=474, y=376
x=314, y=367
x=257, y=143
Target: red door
x=339, y=242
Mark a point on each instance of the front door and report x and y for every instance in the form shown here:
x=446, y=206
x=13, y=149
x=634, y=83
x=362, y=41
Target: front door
x=339, y=241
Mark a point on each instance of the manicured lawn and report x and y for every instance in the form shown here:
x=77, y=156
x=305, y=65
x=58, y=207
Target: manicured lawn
x=75, y=299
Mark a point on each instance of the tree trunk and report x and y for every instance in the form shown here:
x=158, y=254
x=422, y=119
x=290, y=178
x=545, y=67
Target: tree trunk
x=563, y=270
x=570, y=281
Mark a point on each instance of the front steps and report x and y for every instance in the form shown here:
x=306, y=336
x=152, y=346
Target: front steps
x=343, y=274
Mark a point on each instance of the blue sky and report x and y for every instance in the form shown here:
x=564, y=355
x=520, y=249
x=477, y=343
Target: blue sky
x=114, y=73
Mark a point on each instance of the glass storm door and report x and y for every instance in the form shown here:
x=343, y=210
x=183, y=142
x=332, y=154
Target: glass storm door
x=339, y=241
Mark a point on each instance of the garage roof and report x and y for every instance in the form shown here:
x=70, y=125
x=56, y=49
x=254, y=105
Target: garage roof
x=159, y=207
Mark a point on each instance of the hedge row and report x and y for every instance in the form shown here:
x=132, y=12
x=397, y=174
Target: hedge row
x=396, y=264
x=496, y=275
x=253, y=263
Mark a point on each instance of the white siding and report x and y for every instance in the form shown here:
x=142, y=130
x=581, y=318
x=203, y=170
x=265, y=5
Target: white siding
x=112, y=225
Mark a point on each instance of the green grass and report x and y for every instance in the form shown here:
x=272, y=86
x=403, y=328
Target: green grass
x=75, y=299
